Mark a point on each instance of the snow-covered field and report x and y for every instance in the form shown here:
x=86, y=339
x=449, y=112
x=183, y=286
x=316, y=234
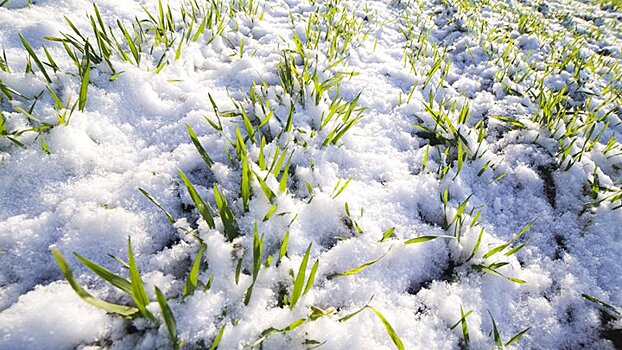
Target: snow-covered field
x=449, y=168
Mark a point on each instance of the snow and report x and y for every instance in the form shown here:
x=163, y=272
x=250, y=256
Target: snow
x=51, y=317
x=83, y=196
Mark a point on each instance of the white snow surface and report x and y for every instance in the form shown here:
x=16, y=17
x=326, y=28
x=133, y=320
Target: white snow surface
x=83, y=196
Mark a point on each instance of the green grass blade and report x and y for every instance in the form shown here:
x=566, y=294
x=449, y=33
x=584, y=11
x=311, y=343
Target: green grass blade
x=270, y=196
x=226, y=215
x=387, y=234
x=270, y=212
x=198, y=202
x=283, y=248
x=495, y=250
x=195, y=141
x=283, y=182
x=130, y=42
x=34, y=57
x=517, y=336
x=394, y=337
x=601, y=303
x=300, y=279
x=193, y=277
x=138, y=289
x=169, y=318
x=476, y=246
x=360, y=268
x=311, y=278
x=216, y=341
x=245, y=186
x=422, y=239
x=350, y=315
x=495, y=331
x=84, y=86
x=106, y=274
x=157, y=204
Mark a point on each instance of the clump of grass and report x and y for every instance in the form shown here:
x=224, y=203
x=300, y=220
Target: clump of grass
x=134, y=287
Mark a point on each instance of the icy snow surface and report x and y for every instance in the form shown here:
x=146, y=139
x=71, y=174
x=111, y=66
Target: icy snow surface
x=485, y=174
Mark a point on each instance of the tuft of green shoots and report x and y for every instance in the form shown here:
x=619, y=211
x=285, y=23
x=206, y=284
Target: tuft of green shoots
x=122, y=310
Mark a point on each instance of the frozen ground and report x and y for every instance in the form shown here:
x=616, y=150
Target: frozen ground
x=477, y=118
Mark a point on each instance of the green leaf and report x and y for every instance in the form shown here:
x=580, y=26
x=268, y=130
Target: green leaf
x=503, y=246
x=283, y=248
x=57, y=102
x=463, y=322
x=34, y=57
x=216, y=341
x=396, y=339
x=311, y=278
x=284, y=176
x=350, y=315
x=422, y=239
x=245, y=190
x=198, y=202
x=126, y=311
x=84, y=86
x=226, y=215
x=257, y=257
x=493, y=271
x=270, y=212
x=106, y=274
x=238, y=269
x=387, y=234
x=157, y=204
x=270, y=331
x=138, y=289
x=300, y=279
x=195, y=141
x=270, y=196
x=193, y=277
x=601, y=303
x=130, y=42
x=517, y=336
x=358, y=269
x=169, y=318
x=495, y=250
x=476, y=246
x=201, y=29
x=495, y=331
x=335, y=195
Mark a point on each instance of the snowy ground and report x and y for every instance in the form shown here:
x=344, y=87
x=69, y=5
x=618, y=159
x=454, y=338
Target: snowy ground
x=477, y=118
